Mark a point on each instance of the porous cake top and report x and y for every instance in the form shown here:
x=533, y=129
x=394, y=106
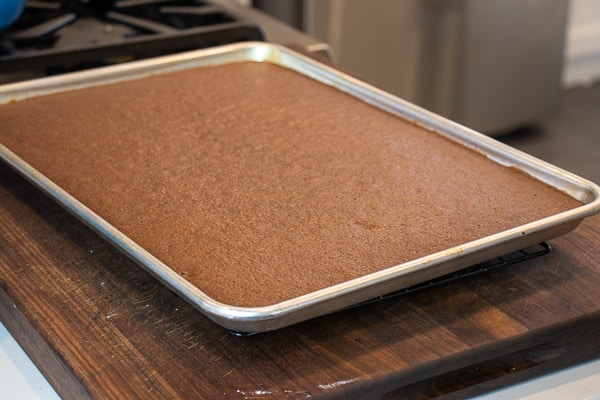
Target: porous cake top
x=258, y=184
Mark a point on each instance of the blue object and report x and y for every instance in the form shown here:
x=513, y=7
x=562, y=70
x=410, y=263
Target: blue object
x=10, y=10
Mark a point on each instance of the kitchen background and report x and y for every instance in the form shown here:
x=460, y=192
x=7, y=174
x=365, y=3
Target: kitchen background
x=430, y=51
x=489, y=65
x=527, y=72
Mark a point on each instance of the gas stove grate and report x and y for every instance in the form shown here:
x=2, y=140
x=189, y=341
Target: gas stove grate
x=57, y=36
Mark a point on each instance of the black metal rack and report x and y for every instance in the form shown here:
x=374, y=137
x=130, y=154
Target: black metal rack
x=486, y=266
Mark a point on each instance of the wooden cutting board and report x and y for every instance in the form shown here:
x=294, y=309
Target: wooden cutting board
x=99, y=326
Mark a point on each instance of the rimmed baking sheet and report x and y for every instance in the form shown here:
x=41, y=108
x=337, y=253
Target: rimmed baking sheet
x=345, y=293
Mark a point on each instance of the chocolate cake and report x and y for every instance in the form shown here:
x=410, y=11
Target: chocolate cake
x=258, y=184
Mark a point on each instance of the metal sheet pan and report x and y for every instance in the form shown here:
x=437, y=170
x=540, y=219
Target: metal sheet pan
x=330, y=299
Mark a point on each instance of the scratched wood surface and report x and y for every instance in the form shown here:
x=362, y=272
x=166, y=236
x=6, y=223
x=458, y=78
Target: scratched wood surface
x=98, y=326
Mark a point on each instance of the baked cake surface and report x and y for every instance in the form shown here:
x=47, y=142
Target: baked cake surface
x=258, y=184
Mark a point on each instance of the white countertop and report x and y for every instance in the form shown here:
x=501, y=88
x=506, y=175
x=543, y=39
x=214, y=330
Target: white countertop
x=20, y=379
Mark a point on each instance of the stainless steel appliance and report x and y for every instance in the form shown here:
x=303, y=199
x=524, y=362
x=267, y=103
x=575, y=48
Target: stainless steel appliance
x=491, y=65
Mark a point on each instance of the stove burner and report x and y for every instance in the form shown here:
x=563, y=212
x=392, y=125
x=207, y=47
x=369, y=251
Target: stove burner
x=58, y=36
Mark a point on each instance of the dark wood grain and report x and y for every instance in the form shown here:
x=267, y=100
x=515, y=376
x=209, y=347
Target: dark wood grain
x=97, y=325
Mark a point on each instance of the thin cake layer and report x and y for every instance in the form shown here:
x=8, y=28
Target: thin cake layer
x=258, y=184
